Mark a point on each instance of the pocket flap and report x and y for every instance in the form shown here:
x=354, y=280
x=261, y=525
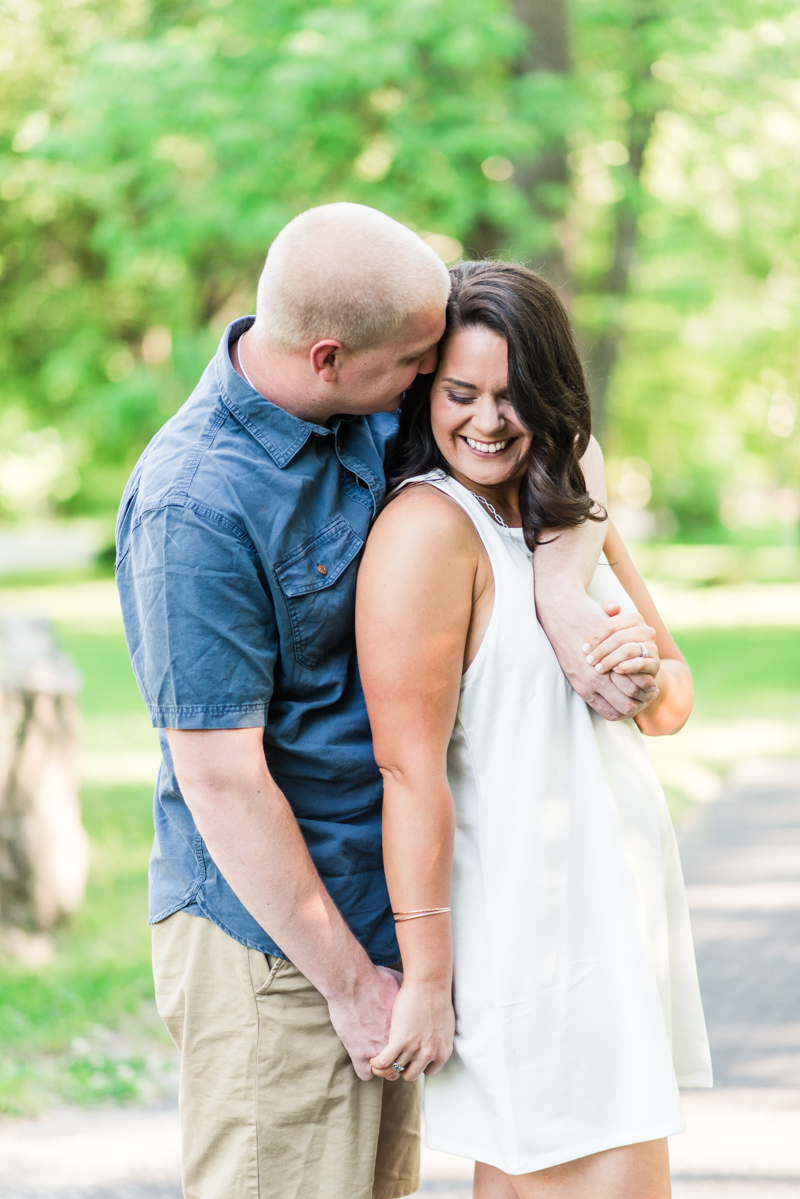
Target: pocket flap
x=320, y=561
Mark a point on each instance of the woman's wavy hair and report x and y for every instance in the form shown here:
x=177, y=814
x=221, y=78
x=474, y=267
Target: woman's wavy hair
x=546, y=384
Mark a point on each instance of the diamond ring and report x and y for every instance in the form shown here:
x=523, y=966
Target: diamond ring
x=396, y=1066
x=645, y=651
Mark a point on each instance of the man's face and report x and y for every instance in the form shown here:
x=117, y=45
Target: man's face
x=374, y=380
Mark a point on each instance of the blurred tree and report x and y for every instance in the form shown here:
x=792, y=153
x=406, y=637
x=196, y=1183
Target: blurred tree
x=187, y=140
x=635, y=29
x=638, y=152
x=709, y=349
x=543, y=86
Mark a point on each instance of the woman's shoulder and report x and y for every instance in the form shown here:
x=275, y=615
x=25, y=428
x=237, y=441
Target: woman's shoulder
x=420, y=505
x=422, y=544
x=419, y=509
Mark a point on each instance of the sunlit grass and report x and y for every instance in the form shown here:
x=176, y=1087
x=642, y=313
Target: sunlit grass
x=83, y=1028
x=744, y=673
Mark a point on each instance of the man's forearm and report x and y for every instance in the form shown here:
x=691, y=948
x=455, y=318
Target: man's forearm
x=568, y=554
x=255, y=841
x=563, y=569
x=573, y=554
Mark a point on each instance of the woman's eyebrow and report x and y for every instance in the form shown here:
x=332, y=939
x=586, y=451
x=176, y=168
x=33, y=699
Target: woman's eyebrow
x=459, y=382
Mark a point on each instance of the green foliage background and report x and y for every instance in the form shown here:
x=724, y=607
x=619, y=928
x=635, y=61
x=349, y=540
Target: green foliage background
x=643, y=153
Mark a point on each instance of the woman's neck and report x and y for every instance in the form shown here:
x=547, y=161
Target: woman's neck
x=504, y=497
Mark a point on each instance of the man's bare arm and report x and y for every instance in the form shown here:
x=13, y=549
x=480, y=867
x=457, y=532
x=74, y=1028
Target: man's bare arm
x=609, y=648
x=256, y=843
x=564, y=567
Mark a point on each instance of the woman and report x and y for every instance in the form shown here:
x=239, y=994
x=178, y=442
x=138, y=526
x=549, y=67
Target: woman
x=577, y=1010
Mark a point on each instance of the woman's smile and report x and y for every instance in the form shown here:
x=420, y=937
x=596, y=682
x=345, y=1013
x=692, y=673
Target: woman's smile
x=488, y=447
x=474, y=423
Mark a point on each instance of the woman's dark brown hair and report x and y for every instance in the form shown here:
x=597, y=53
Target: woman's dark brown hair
x=546, y=386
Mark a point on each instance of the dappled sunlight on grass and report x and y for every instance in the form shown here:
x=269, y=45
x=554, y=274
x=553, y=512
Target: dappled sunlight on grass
x=83, y=1028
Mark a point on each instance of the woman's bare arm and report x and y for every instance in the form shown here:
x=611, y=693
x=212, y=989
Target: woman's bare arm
x=671, y=708
x=413, y=608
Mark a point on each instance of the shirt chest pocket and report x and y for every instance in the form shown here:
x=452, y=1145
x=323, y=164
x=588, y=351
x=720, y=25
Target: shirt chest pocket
x=320, y=590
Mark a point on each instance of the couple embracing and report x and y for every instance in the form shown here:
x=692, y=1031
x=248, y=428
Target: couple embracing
x=401, y=828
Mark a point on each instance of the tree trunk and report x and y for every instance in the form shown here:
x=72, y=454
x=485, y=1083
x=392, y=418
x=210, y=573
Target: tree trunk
x=544, y=179
x=604, y=349
x=548, y=49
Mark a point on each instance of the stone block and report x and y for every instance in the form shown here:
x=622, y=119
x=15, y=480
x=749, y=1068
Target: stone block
x=44, y=850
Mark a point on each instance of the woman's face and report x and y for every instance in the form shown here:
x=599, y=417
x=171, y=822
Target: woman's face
x=473, y=421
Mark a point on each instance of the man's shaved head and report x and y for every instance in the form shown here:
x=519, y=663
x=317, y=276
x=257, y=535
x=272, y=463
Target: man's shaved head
x=346, y=272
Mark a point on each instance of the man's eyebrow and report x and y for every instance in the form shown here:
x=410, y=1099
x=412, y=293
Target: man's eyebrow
x=459, y=382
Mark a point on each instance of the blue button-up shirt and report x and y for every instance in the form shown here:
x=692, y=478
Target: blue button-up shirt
x=239, y=537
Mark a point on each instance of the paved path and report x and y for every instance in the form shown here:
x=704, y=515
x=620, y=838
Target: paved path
x=742, y=863
x=741, y=858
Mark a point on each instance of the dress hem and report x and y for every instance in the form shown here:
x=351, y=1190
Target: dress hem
x=696, y=1080
x=543, y=1161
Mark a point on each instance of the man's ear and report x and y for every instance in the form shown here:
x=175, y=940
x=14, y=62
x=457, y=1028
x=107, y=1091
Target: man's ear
x=326, y=360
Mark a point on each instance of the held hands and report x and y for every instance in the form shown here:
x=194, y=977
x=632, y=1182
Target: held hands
x=616, y=645
x=421, y=1037
x=566, y=614
x=362, y=1018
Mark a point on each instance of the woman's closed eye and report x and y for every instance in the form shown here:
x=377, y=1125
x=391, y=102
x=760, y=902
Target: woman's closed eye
x=459, y=398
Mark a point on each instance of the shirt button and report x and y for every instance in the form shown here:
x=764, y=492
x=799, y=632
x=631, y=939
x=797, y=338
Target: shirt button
x=323, y=570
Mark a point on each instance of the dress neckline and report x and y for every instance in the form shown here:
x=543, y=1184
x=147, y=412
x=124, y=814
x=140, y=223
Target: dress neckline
x=503, y=528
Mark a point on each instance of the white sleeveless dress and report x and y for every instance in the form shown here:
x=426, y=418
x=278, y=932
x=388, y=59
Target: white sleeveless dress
x=578, y=1011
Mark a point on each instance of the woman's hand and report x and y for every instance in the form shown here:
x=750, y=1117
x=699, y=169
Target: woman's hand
x=421, y=1035
x=617, y=644
x=669, y=711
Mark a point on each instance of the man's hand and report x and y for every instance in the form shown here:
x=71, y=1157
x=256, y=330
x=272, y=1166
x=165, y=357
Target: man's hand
x=255, y=841
x=567, y=623
x=362, y=1016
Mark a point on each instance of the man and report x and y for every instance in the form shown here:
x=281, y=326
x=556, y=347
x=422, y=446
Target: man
x=238, y=543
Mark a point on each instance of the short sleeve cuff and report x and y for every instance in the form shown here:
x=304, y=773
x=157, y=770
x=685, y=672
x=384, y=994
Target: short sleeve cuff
x=210, y=716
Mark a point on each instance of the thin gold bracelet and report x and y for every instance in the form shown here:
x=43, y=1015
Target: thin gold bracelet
x=399, y=917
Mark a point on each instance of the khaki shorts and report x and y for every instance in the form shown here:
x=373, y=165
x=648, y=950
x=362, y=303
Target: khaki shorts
x=271, y=1107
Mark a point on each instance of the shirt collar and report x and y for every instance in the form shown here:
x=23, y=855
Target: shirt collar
x=281, y=434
